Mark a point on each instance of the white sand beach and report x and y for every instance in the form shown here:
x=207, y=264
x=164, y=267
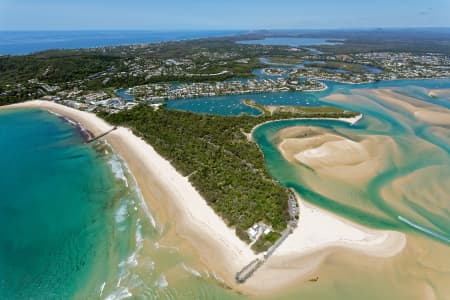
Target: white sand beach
x=216, y=244
x=319, y=229
x=318, y=235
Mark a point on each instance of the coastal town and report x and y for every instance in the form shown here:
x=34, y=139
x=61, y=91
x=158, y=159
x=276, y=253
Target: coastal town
x=159, y=92
x=155, y=73
x=266, y=163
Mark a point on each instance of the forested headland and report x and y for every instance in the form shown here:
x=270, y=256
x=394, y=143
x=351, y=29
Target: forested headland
x=225, y=167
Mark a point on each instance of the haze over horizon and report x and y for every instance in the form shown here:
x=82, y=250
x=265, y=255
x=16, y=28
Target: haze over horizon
x=216, y=15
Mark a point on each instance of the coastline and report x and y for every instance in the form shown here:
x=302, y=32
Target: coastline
x=352, y=121
x=165, y=190
x=216, y=244
x=320, y=234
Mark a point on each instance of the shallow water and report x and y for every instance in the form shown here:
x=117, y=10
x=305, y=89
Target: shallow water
x=80, y=229
x=56, y=207
x=409, y=193
x=73, y=224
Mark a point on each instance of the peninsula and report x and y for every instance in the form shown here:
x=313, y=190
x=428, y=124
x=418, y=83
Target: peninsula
x=208, y=174
x=170, y=170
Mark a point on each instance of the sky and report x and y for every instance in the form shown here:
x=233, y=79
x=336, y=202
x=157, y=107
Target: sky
x=223, y=14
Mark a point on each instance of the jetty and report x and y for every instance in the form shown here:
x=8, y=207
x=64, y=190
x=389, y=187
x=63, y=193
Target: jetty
x=248, y=270
x=93, y=139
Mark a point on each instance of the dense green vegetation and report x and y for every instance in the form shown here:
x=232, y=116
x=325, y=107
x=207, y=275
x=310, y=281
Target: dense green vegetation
x=225, y=167
x=417, y=40
x=19, y=75
x=209, y=59
x=22, y=77
x=299, y=111
x=338, y=65
x=292, y=58
x=265, y=241
x=52, y=69
x=222, y=164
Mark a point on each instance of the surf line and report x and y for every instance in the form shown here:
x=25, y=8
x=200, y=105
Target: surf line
x=425, y=230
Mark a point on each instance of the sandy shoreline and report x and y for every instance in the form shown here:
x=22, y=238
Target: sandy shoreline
x=217, y=245
x=319, y=234
x=351, y=121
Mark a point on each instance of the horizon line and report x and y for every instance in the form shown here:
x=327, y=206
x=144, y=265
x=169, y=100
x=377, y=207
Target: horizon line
x=228, y=29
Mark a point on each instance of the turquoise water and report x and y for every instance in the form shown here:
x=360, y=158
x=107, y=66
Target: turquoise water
x=407, y=193
x=122, y=94
x=233, y=104
x=59, y=224
x=405, y=131
x=73, y=225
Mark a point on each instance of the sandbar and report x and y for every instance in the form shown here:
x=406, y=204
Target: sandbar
x=216, y=244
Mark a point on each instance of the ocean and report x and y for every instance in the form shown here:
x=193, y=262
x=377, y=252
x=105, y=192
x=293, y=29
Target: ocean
x=73, y=224
x=58, y=210
x=26, y=42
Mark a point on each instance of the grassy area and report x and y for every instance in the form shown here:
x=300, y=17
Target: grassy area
x=301, y=111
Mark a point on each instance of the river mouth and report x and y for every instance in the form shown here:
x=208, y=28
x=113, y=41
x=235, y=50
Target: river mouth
x=399, y=159
x=388, y=171
x=403, y=189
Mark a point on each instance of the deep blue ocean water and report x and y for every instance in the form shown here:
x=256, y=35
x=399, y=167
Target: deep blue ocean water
x=25, y=42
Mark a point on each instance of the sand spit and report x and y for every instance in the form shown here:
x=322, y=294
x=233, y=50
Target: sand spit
x=318, y=234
